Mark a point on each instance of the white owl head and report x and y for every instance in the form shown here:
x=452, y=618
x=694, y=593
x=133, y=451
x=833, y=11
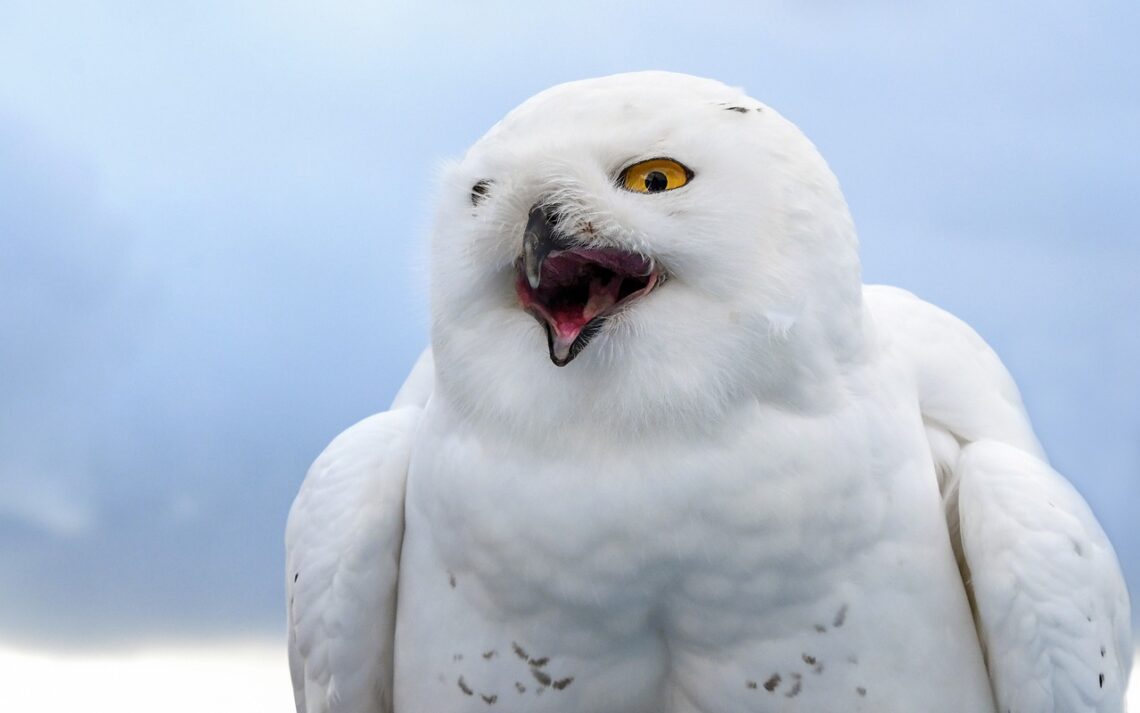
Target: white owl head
x=639, y=250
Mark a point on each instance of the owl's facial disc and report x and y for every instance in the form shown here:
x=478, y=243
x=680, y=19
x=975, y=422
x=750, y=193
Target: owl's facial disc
x=571, y=289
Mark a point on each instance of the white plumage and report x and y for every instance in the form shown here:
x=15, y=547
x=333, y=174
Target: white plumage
x=668, y=454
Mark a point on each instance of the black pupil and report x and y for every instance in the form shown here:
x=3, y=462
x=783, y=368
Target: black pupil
x=655, y=182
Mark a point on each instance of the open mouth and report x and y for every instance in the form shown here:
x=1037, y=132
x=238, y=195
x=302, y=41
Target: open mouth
x=572, y=290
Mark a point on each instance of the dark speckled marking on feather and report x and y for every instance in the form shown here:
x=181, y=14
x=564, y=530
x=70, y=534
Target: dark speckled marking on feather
x=489, y=700
x=464, y=687
x=750, y=684
x=772, y=682
x=840, y=616
x=860, y=690
x=488, y=655
x=563, y=683
x=740, y=109
x=520, y=651
x=541, y=676
x=539, y=663
x=794, y=691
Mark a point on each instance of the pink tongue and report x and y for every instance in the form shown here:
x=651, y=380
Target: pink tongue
x=569, y=323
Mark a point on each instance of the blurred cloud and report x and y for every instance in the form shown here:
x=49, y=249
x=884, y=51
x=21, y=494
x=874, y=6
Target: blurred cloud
x=70, y=321
x=235, y=678
x=212, y=221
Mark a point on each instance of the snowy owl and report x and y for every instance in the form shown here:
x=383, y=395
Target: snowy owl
x=666, y=453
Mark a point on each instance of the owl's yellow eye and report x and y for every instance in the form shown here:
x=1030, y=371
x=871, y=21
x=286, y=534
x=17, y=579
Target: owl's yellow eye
x=654, y=176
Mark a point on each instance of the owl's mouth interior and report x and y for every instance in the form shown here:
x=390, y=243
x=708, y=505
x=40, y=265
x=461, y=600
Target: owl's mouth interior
x=577, y=289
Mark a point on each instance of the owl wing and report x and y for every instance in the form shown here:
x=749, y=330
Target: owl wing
x=1049, y=599
x=342, y=558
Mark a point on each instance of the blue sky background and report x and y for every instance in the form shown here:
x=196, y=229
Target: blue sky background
x=212, y=219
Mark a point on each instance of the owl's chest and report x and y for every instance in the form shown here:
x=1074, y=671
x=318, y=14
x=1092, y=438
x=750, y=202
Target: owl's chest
x=794, y=563
x=621, y=532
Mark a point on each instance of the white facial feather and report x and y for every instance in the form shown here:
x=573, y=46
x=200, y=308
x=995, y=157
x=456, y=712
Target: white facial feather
x=763, y=295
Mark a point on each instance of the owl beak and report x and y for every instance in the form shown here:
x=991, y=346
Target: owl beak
x=539, y=240
x=572, y=288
